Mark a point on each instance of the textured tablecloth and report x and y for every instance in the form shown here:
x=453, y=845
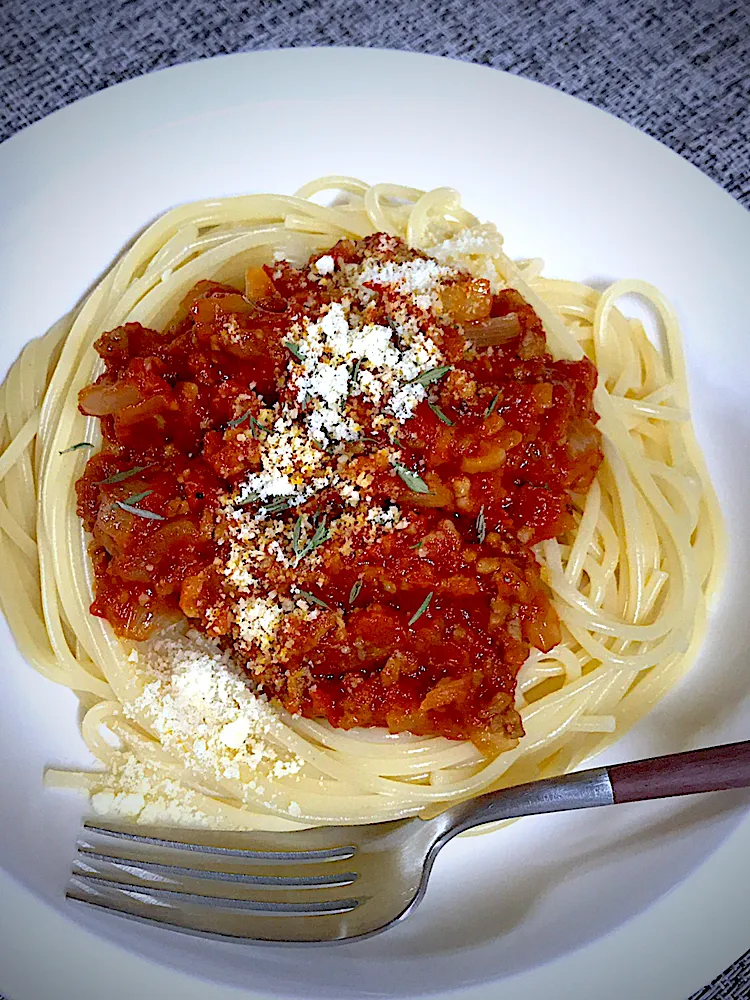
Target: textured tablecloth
x=677, y=69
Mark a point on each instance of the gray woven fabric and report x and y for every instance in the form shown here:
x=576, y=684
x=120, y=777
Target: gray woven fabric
x=734, y=984
x=677, y=69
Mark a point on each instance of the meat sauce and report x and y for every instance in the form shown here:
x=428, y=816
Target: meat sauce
x=421, y=629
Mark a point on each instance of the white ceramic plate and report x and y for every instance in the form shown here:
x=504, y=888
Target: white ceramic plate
x=592, y=895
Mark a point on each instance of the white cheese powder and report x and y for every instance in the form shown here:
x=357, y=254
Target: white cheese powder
x=200, y=705
x=325, y=264
x=343, y=358
x=258, y=620
x=473, y=250
x=420, y=278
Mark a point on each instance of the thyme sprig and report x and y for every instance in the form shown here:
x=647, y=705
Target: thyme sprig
x=312, y=599
x=439, y=414
x=481, y=525
x=431, y=375
x=320, y=535
x=294, y=349
x=422, y=608
x=354, y=375
x=414, y=481
x=492, y=405
x=250, y=498
x=135, y=498
x=120, y=477
x=150, y=515
x=256, y=428
x=76, y=447
x=281, y=504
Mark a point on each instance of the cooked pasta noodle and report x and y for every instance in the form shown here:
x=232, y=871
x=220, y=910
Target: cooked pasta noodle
x=631, y=583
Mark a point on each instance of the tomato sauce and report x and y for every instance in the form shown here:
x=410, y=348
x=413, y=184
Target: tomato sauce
x=421, y=629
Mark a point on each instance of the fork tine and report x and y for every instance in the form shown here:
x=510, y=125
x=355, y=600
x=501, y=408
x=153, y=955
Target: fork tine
x=321, y=885
x=326, y=844
x=199, y=880
x=326, y=866
x=259, y=920
x=163, y=897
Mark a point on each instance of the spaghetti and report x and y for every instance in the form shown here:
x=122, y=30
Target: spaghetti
x=630, y=580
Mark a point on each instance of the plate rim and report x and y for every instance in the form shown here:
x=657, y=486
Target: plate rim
x=28, y=132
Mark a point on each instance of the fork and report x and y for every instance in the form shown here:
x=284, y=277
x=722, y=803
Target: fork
x=337, y=883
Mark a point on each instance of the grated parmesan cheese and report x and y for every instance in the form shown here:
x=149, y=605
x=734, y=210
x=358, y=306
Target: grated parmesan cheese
x=258, y=620
x=385, y=517
x=199, y=705
x=137, y=790
x=325, y=264
x=481, y=242
x=420, y=278
x=387, y=359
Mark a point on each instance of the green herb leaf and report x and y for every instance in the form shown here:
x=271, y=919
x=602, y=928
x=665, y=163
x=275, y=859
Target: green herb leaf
x=313, y=599
x=238, y=420
x=422, y=608
x=354, y=374
x=412, y=480
x=321, y=535
x=148, y=514
x=492, y=405
x=296, y=535
x=256, y=428
x=419, y=544
x=280, y=505
x=439, y=414
x=76, y=447
x=293, y=349
x=137, y=497
x=120, y=477
x=481, y=525
x=250, y=498
x=431, y=375
x=354, y=592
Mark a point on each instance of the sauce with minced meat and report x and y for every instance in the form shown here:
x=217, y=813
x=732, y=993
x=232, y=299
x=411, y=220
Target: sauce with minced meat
x=521, y=441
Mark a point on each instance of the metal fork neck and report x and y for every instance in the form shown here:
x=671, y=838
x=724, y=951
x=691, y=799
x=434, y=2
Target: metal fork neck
x=571, y=791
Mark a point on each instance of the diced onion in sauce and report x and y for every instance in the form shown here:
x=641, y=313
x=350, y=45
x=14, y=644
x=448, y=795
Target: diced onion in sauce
x=495, y=330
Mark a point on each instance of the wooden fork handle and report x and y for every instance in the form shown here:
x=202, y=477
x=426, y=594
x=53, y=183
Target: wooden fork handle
x=682, y=773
